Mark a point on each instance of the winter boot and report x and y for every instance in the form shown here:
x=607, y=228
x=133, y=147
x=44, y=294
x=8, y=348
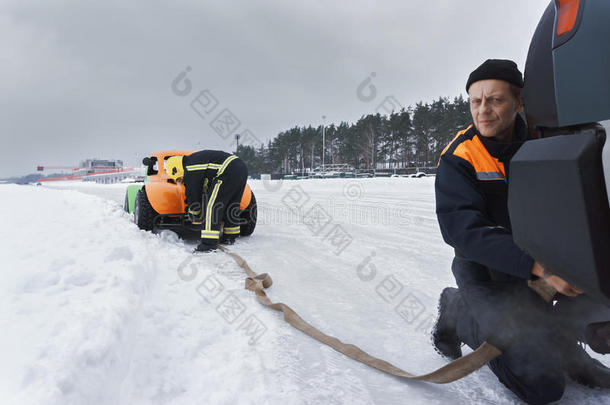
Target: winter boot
x=205, y=247
x=227, y=239
x=444, y=333
x=598, y=337
x=583, y=369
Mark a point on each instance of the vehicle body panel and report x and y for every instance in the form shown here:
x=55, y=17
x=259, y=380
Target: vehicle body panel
x=132, y=190
x=566, y=76
x=558, y=200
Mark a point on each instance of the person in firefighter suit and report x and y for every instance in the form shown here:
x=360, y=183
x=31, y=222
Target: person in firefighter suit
x=539, y=341
x=214, y=182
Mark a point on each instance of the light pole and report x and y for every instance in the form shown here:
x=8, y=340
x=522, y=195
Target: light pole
x=323, y=141
x=236, y=142
x=333, y=146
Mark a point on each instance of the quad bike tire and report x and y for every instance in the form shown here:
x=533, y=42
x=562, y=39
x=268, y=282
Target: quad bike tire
x=143, y=213
x=126, y=203
x=248, y=217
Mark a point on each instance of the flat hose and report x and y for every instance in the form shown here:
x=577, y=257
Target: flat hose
x=449, y=373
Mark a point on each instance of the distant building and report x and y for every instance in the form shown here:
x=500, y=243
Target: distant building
x=100, y=165
x=108, y=171
x=98, y=170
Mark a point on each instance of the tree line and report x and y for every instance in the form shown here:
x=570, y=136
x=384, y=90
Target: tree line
x=409, y=138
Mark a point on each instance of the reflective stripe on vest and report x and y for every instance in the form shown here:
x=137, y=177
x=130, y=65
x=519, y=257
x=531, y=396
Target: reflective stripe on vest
x=205, y=166
x=220, y=167
x=226, y=163
x=489, y=176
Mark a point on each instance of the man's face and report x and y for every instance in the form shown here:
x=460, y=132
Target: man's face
x=493, y=106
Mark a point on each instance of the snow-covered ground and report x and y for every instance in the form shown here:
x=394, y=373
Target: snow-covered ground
x=93, y=310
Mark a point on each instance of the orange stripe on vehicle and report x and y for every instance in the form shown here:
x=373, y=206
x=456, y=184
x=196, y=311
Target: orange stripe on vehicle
x=246, y=196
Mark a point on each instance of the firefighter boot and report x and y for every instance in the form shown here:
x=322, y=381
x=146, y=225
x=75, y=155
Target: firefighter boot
x=598, y=337
x=227, y=239
x=444, y=333
x=205, y=246
x=583, y=369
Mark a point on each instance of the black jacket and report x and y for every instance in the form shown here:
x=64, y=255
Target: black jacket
x=471, y=201
x=199, y=167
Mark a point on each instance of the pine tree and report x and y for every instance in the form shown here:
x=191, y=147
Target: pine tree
x=410, y=137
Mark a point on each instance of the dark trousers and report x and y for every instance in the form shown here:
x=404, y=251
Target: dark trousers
x=505, y=312
x=221, y=203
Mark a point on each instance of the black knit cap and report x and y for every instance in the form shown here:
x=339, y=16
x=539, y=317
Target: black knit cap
x=501, y=69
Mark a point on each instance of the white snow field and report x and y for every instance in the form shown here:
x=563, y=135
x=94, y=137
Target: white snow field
x=95, y=311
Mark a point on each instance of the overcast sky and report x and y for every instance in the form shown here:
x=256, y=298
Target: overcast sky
x=83, y=79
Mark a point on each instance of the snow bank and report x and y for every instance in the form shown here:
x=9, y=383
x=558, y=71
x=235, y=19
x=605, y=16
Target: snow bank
x=74, y=273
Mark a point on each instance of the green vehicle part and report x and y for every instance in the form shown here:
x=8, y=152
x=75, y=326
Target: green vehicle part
x=130, y=197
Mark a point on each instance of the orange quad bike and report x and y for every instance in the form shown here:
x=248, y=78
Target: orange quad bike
x=160, y=203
